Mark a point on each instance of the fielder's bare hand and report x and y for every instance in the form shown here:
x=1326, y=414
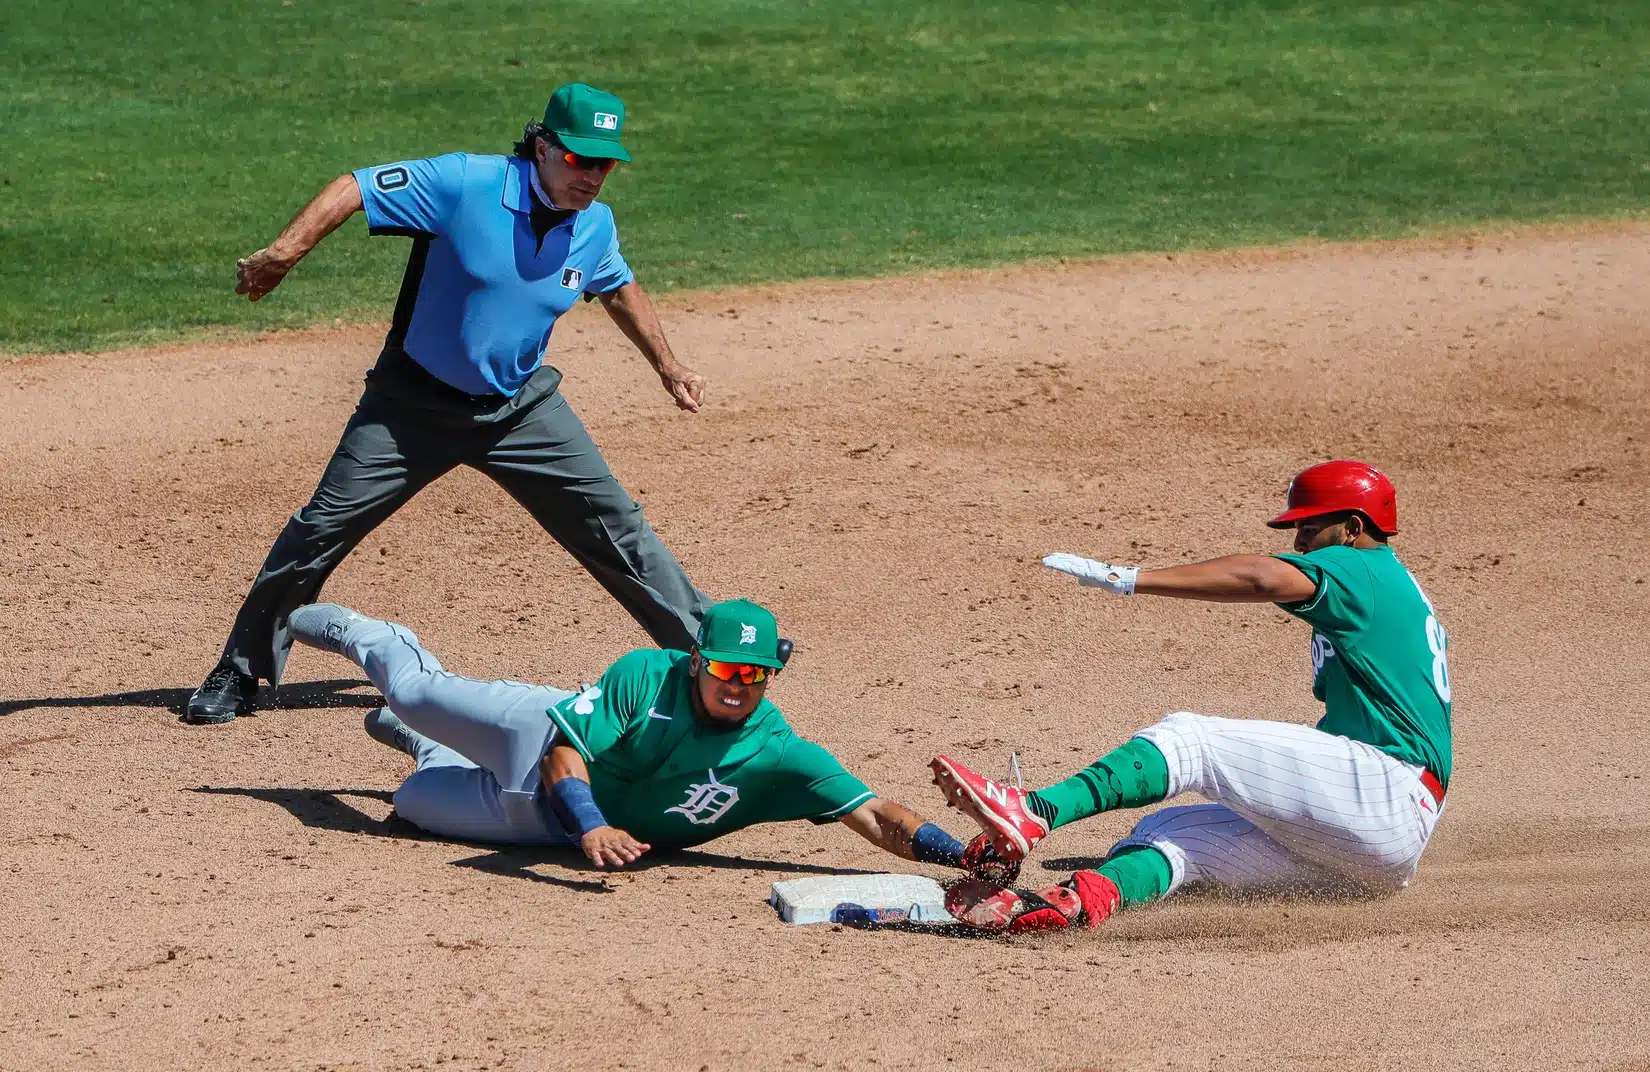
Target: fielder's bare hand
x=608, y=846
x=262, y=272
x=685, y=386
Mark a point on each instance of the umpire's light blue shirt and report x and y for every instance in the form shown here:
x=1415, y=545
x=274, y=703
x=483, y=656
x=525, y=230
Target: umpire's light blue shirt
x=482, y=293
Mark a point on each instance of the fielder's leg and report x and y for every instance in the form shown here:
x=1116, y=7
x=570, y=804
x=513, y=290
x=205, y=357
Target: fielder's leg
x=549, y=464
x=450, y=796
x=499, y=726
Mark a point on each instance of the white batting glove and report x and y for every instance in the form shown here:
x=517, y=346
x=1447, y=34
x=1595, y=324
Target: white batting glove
x=1118, y=580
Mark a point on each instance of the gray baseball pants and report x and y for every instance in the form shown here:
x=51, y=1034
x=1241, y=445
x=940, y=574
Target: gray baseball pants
x=479, y=742
x=408, y=430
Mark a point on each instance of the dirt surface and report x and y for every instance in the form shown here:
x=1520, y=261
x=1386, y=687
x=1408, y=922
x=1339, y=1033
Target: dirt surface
x=883, y=463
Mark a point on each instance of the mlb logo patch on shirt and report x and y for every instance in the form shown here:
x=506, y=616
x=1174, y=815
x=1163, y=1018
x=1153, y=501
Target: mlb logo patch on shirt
x=572, y=278
x=605, y=121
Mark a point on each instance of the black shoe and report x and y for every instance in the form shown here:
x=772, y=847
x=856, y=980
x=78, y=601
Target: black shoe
x=225, y=693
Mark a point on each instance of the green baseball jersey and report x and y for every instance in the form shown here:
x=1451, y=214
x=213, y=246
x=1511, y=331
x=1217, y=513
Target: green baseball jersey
x=660, y=775
x=1379, y=657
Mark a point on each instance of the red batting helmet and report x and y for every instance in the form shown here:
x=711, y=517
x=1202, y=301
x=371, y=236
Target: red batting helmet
x=1335, y=487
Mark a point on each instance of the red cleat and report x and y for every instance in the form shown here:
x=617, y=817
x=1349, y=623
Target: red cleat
x=983, y=905
x=989, y=907
x=1086, y=899
x=999, y=809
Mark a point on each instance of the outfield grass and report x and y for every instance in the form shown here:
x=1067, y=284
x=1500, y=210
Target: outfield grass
x=147, y=144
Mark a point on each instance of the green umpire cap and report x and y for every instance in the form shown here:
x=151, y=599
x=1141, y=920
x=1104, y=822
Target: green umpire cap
x=740, y=631
x=587, y=120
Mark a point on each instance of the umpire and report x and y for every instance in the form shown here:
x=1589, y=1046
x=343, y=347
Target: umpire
x=502, y=246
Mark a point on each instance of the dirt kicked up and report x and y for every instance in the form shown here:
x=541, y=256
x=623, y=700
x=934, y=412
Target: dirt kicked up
x=883, y=463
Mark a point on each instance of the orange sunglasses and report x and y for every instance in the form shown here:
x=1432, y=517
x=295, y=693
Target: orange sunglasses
x=589, y=163
x=747, y=674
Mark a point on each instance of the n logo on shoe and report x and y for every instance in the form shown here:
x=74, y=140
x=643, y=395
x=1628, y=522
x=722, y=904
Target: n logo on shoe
x=997, y=793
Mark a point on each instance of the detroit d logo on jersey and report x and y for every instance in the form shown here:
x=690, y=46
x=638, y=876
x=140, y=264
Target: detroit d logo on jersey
x=708, y=801
x=1322, y=652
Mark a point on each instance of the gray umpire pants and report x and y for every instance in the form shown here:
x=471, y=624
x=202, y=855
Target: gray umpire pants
x=478, y=743
x=410, y=428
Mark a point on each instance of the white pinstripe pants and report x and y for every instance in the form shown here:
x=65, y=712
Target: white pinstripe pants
x=1296, y=808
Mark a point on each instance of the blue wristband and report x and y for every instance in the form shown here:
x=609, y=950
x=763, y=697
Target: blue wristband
x=931, y=845
x=574, y=807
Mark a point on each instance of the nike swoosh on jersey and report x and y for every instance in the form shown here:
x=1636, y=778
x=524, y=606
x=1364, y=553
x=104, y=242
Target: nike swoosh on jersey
x=653, y=712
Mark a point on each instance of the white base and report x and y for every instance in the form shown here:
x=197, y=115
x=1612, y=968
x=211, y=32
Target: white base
x=860, y=899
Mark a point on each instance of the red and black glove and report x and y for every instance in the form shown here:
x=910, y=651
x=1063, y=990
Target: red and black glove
x=981, y=860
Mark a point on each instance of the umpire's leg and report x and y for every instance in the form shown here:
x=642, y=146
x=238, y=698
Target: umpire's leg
x=549, y=464
x=383, y=458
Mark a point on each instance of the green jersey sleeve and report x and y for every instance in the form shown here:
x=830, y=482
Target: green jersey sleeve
x=809, y=783
x=601, y=716
x=1344, y=602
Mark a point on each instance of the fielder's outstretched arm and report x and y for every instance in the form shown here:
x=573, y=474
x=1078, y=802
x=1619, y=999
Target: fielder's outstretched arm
x=261, y=272
x=894, y=828
x=1232, y=579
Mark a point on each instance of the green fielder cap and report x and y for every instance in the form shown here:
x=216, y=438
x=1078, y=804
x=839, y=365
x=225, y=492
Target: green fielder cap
x=740, y=631
x=587, y=121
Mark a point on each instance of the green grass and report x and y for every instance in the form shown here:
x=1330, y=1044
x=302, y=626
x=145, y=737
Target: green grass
x=146, y=145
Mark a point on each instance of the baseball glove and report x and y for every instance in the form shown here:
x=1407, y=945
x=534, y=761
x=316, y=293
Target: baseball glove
x=981, y=860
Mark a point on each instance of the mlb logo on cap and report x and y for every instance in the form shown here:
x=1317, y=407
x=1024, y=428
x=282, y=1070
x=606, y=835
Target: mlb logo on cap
x=586, y=121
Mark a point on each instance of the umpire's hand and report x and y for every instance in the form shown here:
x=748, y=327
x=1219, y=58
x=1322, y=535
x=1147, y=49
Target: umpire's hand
x=608, y=846
x=261, y=272
x=685, y=386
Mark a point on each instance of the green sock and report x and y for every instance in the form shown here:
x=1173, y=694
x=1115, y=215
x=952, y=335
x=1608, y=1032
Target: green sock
x=1141, y=872
x=1128, y=777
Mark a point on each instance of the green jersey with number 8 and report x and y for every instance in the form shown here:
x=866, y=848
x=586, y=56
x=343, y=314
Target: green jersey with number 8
x=1379, y=656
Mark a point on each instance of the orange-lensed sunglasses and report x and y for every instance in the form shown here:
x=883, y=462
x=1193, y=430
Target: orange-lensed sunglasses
x=747, y=674
x=589, y=163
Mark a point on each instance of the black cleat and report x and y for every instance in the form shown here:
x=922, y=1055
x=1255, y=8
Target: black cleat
x=225, y=693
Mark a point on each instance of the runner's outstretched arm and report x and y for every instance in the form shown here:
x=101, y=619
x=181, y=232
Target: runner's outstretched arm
x=1230, y=579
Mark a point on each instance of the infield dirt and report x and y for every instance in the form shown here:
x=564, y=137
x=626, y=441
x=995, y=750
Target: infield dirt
x=883, y=463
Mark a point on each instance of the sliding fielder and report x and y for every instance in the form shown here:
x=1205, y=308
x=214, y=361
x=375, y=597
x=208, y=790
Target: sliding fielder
x=667, y=749
x=1349, y=804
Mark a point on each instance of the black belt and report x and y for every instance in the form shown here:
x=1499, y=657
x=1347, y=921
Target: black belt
x=401, y=363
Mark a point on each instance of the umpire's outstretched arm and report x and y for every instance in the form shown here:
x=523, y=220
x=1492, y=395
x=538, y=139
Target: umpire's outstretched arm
x=262, y=272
